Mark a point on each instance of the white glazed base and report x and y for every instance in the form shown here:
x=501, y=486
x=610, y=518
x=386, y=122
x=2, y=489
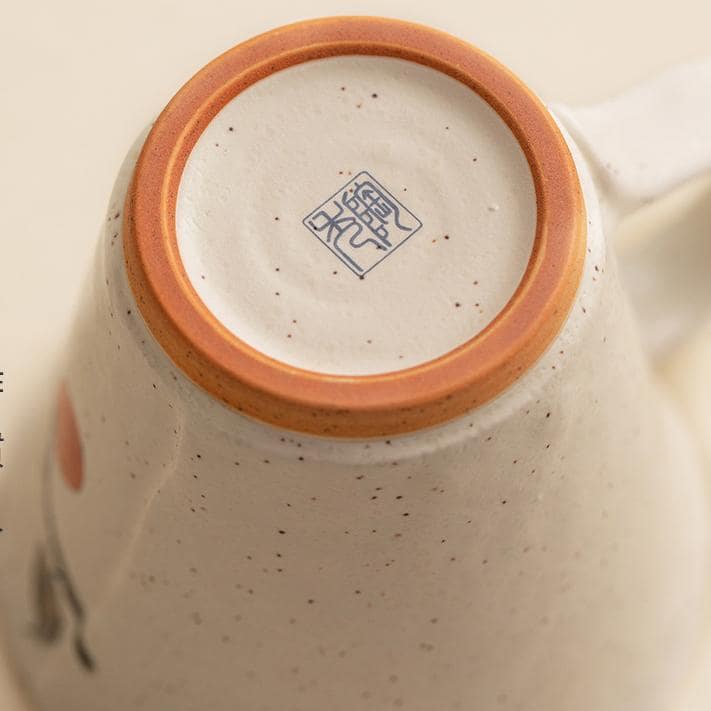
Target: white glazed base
x=434, y=144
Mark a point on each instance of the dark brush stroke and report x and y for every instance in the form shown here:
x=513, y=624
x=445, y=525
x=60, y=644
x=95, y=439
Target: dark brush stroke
x=58, y=570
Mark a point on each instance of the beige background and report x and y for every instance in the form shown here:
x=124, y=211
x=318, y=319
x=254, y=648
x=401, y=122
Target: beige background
x=80, y=78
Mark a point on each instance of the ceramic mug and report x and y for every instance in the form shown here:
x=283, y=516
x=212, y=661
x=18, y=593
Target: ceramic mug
x=356, y=414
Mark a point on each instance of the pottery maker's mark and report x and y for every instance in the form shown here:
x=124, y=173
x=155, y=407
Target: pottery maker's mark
x=362, y=223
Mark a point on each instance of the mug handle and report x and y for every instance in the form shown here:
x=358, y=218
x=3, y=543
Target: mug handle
x=640, y=145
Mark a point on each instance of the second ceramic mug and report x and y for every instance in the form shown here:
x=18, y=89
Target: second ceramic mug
x=356, y=415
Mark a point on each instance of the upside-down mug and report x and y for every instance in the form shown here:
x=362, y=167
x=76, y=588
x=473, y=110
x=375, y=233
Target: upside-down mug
x=356, y=415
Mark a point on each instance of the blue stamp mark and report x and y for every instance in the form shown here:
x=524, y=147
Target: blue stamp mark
x=362, y=223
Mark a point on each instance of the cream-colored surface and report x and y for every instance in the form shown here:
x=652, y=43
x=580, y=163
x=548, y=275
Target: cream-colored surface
x=101, y=68
x=282, y=148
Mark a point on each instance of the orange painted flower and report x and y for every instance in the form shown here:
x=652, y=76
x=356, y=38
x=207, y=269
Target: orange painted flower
x=68, y=442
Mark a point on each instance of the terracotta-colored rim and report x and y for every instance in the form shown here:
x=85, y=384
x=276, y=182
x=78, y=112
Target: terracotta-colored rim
x=337, y=405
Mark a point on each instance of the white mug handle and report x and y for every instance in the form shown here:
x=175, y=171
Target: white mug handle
x=640, y=145
x=649, y=139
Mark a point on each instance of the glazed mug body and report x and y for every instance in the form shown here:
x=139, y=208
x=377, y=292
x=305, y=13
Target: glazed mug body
x=546, y=549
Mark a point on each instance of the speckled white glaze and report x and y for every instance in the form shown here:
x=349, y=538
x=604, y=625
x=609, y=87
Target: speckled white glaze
x=435, y=144
x=547, y=551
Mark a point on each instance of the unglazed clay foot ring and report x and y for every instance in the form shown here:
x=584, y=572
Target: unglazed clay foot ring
x=339, y=405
